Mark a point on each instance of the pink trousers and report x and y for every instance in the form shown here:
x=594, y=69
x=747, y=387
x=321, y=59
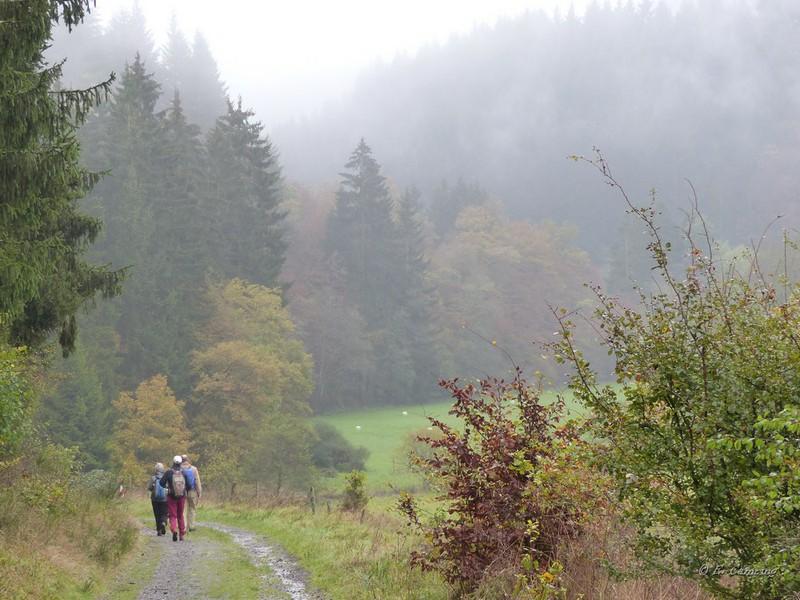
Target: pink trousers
x=175, y=508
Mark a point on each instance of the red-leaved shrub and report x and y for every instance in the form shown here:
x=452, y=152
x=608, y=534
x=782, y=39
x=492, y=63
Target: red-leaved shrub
x=512, y=481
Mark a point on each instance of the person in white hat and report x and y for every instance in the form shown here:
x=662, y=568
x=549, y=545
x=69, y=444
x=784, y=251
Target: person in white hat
x=175, y=483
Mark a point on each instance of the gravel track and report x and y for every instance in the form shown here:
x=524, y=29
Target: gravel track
x=292, y=580
x=285, y=580
x=179, y=557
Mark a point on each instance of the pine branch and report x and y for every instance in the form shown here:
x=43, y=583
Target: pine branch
x=78, y=103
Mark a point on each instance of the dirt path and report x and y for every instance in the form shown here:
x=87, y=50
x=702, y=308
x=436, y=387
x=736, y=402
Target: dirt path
x=292, y=580
x=196, y=567
x=181, y=558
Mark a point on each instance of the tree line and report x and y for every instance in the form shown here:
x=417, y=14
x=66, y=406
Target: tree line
x=701, y=90
x=389, y=292
x=691, y=457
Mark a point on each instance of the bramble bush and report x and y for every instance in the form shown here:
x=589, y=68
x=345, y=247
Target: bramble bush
x=702, y=434
x=514, y=487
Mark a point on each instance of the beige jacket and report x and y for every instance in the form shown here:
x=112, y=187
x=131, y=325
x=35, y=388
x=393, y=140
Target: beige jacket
x=198, y=486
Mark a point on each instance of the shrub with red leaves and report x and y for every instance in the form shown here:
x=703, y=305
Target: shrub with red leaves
x=512, y=482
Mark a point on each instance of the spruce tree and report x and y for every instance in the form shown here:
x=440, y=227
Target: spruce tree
x=380, y=247
x=192, y=71
x=244, y=199
x=205, y=94
x=362, y=233
x=175, y=58
x=44, y=278
x=155, y=218
x=418, y=296
x=78, y=410
x=126, y=36
x=179, y=254
x=129, y=199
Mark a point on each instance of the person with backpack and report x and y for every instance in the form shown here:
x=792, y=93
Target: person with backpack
x=175, y=483
x=194, y=490
x=158, y=498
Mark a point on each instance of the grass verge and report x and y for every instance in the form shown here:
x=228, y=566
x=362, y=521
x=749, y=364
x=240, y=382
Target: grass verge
x=345, y=558
x=136, y=571
x=63, y=557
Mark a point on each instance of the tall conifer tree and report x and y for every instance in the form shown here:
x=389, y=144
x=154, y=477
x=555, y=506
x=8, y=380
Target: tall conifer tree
x=126, y=36
x=205, y=94
x=44, y=278
x=178, y=252
x=361, y=231
x=418, y=296
x=78, y=411
x=384, y=267
x=175, y=59
x=244, y=199
x=129, y=200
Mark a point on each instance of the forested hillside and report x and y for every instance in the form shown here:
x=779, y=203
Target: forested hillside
x=439, y=341
x=709, y=93
x=391, y=290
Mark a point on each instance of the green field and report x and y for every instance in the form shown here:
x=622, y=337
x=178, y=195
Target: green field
x=386, y=433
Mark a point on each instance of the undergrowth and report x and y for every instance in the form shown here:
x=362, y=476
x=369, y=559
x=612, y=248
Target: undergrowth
x=60, y=530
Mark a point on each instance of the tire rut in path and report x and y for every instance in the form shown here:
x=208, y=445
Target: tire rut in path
x=293, y=579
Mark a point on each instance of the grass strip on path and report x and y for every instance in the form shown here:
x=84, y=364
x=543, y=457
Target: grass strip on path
x=231, y=574
x=346, y=559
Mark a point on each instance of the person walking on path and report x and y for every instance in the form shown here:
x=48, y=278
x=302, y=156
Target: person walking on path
x=158, y=498
x=194, y=490
x=176, y=498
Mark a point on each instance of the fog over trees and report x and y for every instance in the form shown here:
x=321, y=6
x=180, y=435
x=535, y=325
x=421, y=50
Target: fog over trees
x=523, y=305
x=422, y=227
x=708, y=92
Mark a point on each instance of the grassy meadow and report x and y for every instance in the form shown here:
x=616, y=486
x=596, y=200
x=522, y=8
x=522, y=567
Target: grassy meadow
x=387, y=433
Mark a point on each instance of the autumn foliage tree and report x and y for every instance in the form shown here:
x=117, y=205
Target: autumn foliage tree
x=250, y=371
x=151, y=428
x=496, y=277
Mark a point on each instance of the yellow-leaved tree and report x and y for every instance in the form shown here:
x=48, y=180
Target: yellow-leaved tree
x=254, y=378
x=151, y=428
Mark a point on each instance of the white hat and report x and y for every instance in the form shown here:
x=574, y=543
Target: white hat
x=177, y=459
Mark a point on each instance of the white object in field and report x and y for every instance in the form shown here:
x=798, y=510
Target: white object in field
x=405, y=413
x=358, y=426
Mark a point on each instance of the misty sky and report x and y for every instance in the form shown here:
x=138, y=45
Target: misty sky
x=290, y=58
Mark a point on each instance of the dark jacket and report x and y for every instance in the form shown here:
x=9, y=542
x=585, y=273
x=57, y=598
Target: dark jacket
x=166, y=481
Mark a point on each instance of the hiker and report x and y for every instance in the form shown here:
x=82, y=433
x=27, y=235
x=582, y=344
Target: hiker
x=158, y=498
x=194, y=490
x=176, y=498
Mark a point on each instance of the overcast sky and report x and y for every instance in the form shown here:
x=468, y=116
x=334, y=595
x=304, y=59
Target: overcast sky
x=289, y=57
